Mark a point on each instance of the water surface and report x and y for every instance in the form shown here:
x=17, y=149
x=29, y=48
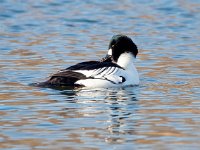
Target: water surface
x=38, y=38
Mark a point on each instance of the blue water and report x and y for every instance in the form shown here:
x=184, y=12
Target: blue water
x=38, y=38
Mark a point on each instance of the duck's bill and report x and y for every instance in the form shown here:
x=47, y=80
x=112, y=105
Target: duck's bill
x=107, y=58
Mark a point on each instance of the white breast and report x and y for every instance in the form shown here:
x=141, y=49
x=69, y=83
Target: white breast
x=126, y=60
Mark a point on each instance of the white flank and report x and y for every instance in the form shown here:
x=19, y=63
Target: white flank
x=94, y=83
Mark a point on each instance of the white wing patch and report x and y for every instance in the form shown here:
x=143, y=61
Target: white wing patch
x=110, y=74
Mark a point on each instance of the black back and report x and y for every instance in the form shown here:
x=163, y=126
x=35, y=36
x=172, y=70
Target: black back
x=91, y=65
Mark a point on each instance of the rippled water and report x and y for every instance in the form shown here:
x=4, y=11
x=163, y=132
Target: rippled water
x=38, y=38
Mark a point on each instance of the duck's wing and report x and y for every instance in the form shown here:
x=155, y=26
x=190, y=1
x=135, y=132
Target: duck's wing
x=103, y=71
x=83, y=71
x=88, y=64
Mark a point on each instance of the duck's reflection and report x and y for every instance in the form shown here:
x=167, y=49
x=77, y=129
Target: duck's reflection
x=113, y=109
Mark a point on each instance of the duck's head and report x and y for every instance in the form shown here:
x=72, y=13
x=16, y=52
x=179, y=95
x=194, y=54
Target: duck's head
x=120, y=44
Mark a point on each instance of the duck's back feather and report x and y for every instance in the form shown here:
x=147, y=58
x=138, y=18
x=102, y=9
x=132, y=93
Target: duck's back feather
x=82, y=71
x=66, y=78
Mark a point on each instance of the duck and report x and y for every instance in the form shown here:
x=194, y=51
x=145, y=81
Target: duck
x=116, y=69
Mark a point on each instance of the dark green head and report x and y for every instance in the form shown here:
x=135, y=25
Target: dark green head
x=120, y=44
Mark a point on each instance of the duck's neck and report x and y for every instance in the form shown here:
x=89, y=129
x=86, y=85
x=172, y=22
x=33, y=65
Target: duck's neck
x=126, y=60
